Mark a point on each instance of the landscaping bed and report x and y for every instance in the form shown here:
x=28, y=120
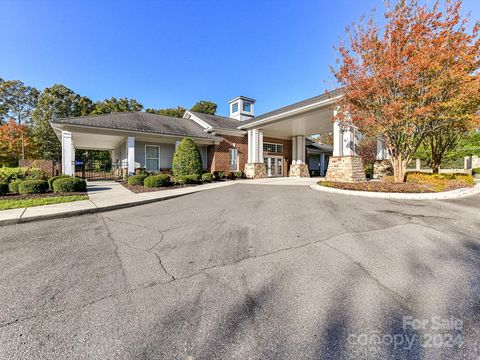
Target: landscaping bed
x=415, y=183
x=142, y=189
x=26, y=187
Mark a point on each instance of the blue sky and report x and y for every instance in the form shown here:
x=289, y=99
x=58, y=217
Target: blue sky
x=168, y=53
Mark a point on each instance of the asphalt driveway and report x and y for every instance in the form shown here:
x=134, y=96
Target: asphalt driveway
x=246, y=272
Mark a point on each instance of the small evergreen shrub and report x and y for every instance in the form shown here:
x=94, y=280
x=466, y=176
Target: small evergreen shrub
x=32, y=187
x=3, y=188
x=187, y=159
x=70, y=184
x=156, y=180
x=207, y=177
x=53, y=178
x=476, y=171
x=187, y=179
x=219, y=175
x=8, y=174
x=136, y=179
x=36, y=174
x=238, y=174
x=13, y=186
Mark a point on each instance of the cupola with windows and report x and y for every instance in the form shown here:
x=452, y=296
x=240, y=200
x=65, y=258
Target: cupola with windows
x=241, y=108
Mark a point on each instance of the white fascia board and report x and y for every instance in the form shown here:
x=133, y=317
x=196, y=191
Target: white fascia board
x=228, y=132
x=293, y=112
x=197, y=120
x=72, y=127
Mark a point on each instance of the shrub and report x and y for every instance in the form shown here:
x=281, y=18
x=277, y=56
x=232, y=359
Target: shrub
x=476, y=171
x=219, y=175
x=53, y=178
x=229, y=175
x=8, y=174
x=157, y=180
x=3, y=188
x=187, y=179
x=36, y=174
x=440, y=181
x=207, y=177
x=13, y=186
x=368, y=168
x=136, y=179
x=70, y=184
x=187, y=159
x=238, y=174
x=32, y=187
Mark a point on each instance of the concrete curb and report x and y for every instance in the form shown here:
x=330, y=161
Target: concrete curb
x=454, y=194
x=89, y=208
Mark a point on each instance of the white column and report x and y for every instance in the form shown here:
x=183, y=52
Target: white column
x=382, y=153
x=294, y=150
x=255, y=146
x=260, y=146
x=131, y=155
x=249, y=146
x=300, y=149
x=68, y=154
x=337, y=139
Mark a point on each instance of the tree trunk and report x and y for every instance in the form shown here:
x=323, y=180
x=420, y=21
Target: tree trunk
x=399, y=166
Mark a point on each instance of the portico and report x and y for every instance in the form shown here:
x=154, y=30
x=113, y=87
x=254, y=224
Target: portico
x=294, y=123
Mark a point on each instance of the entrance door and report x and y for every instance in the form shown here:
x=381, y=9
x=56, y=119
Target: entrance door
x=274, y=165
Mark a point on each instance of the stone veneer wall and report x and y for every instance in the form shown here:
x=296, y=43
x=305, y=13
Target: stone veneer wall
x=345, y=168
x=382, y=168
x=255, y=170
x=299, y=170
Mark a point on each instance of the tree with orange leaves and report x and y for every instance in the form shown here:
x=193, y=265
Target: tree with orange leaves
x=415, y=79
x=11, y=135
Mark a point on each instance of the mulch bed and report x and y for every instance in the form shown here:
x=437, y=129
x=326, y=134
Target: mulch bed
x=390, y=187
x=36, y=196
x=141, y=189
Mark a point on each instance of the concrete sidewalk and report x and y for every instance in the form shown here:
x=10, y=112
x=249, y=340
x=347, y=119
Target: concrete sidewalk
x=103, y=196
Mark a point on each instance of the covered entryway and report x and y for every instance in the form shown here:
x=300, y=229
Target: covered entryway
x=293, y=124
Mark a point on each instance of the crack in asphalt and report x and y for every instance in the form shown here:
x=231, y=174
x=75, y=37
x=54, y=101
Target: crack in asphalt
x=204, y=270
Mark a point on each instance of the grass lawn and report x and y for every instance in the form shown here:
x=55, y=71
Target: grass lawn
x=6, y=204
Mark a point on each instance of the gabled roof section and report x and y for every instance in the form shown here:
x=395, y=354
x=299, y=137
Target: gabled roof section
x=139, y=122
x=292, y=107
x=216, y=122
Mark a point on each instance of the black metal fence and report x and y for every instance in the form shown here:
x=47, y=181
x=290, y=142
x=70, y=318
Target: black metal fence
x=101, y=169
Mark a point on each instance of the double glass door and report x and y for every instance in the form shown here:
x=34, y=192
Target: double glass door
x=274, y=165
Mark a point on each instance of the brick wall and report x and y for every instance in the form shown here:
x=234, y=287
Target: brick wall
x=218, y=154
x=52, y=168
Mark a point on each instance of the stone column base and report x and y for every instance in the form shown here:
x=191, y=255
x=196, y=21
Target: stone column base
x=255, y=170
x=299, y=170
x=345, y=169
x=382, y=168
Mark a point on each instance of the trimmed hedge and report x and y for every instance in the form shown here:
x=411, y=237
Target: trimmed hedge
x=13, y=186
x=157, y=180
x=53, y=178
x=32, y=187
x=187, y=179
x=8, y=174
x=476, y=171
x=207, y=177
x=219, y=175
x=70, y=184
x=136, y=179
x=187, y=159
x=238, y=174
x=3, y=188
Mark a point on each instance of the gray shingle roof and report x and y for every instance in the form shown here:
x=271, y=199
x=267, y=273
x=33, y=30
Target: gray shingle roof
x=218, y=122
x=294, y=106
x=141, y=122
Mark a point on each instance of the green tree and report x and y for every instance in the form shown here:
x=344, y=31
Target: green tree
x=187, y=159
x=205, y=107
x=17, y=102
x=114, y=105
x=173, y=112
x=56, y=101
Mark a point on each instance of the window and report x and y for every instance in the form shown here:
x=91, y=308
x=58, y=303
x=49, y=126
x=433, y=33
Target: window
x=235, y=107
x=247, y=106
x=272, y=148
x=233, y=159
x=152, y=158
